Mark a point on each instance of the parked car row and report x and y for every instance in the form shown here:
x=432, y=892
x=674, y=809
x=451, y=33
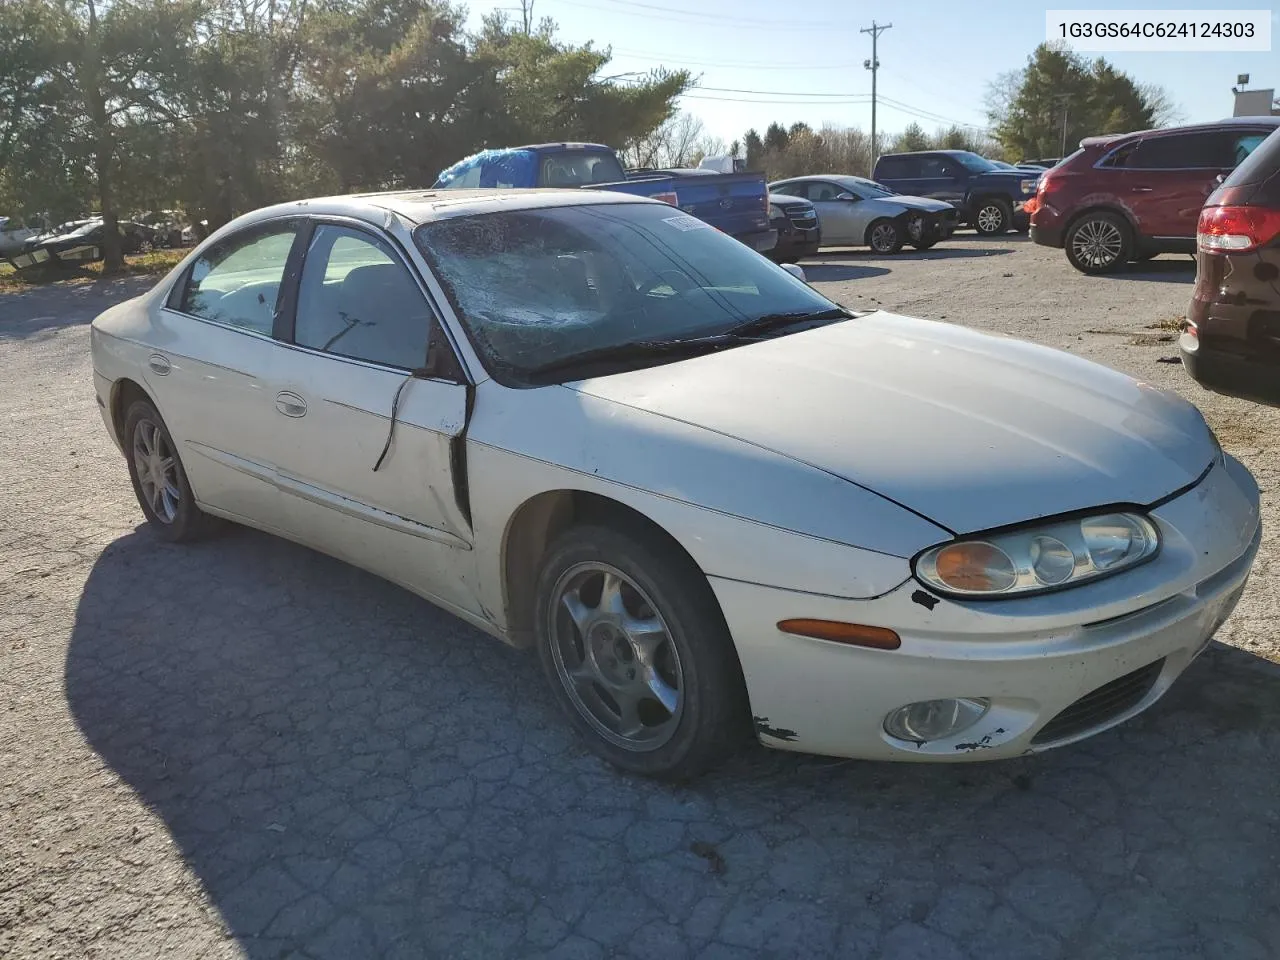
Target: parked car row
x=82, y=241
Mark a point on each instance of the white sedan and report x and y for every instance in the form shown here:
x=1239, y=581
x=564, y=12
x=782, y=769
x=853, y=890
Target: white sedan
x=714, y=500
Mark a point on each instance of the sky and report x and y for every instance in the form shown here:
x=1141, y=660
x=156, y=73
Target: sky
x=757, y=61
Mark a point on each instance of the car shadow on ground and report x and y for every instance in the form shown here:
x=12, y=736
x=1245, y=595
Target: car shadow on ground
x=351, y=772
x=940, y=252
x=831, y=272
x=36, y=310
x=1173, y=268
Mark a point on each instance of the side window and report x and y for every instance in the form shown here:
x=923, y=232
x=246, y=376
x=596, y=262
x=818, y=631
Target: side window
x=824, y=191
x=935, y=168
x=237, y=281
x=1241, y=145
x=1179, y=151
x=358, y=299
x=894, y=168
x=791, y=189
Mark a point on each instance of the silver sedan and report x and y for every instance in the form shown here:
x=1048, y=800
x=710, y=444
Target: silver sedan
x=855, y=212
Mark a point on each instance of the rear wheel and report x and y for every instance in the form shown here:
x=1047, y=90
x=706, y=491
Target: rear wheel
x=1098, y=242
x=884, y=236
x=993, y=217
x=159, y=480
x=637, y=652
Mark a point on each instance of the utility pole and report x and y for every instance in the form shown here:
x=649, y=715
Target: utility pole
x=873, y=65
x=1065, y=100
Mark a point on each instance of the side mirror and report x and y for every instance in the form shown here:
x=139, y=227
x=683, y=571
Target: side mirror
x=795, y=271
x=1219, y=178
x=846, y=196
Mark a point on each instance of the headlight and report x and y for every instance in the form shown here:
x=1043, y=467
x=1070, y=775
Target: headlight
x=1039, y=558
x=1029, y=186
x=775, y=212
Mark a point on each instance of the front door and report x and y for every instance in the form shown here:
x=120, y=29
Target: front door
x=837, y=218
x=365, y=435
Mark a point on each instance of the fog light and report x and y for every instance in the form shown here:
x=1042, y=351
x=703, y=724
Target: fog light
x=935, y=719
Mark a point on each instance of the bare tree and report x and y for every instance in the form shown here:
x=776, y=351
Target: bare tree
x=679, y=142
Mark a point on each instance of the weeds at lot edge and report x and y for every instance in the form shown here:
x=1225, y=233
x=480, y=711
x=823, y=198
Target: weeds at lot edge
x=142, y=265
x=1169, y=323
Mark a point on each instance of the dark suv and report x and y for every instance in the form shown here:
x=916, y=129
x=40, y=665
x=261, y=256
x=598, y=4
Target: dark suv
x=1132, y=196
x=989, y=197
x=1231, y=340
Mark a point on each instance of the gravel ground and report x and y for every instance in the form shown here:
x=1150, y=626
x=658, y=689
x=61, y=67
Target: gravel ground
x=244, y=749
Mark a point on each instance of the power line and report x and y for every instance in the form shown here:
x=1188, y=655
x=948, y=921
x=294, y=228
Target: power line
x=674, y=15
x=694, y=96
x=731, y=64
x=778, y=93
x=719, y=19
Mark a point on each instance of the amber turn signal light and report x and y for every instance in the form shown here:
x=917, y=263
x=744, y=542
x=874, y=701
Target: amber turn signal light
x=855, y=634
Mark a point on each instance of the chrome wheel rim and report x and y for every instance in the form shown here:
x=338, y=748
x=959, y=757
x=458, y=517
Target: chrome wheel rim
x=990, y=218
x=883, y=237
x=1097, y=243
x=157, y=471
x=615, y=657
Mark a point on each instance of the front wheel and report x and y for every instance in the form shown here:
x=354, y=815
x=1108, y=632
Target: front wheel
x=637, y=652
x=885, y=237
x=993, y=217
x=1098, y=242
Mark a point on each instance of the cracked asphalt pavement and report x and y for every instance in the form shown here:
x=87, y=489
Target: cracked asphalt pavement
x=243, y=749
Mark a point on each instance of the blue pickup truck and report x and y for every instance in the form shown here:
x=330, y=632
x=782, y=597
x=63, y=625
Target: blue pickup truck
x=735, y=203
x=989, y=198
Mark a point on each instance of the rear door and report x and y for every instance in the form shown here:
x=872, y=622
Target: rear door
x=210, y=367
x=1167, y=178
x=901, y=173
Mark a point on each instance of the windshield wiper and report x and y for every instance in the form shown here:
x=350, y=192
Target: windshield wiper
x=776, y=321
x=634, y=350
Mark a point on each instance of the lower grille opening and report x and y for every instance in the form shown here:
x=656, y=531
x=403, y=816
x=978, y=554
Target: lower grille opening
x=1106, y=703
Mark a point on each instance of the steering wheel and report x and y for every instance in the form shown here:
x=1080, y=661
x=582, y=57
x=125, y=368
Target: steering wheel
x=677, y=280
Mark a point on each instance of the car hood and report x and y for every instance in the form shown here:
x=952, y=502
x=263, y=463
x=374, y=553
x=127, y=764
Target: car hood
x=969, y=430
x=917, y=203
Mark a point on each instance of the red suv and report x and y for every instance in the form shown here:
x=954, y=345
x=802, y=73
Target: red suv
x=1132, y=196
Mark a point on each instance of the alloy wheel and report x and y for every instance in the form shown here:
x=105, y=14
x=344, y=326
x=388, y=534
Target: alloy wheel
x=990, y=218
x=1097, y=243
x=615, y=657
x=157, y=470
x=882, y=237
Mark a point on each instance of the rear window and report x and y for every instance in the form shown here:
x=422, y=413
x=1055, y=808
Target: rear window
x=576, y=168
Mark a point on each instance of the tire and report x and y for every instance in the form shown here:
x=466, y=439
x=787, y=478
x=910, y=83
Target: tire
x=171, y=513
x=993, y=216
x=885, y=237
x=1098, y=242
x=691, y=711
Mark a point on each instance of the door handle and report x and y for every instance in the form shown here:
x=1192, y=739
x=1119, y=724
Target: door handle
x=290, y=404
x=1141, y=189
x=159, y=365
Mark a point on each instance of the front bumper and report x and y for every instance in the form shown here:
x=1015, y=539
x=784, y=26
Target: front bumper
x=1037, y=659
x=794, y=242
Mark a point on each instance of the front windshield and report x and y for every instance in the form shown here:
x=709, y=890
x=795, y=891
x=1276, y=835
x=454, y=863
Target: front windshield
x=538, y=287
x=974, y=162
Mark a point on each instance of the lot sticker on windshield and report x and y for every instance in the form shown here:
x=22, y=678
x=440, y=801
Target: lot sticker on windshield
x=686, y=223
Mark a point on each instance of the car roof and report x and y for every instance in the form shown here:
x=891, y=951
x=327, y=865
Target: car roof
x=921, y=153
x=824, y=177
x=1229, y=123
x=421, y=206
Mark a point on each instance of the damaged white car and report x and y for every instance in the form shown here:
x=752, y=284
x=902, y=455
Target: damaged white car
x=715, y=501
